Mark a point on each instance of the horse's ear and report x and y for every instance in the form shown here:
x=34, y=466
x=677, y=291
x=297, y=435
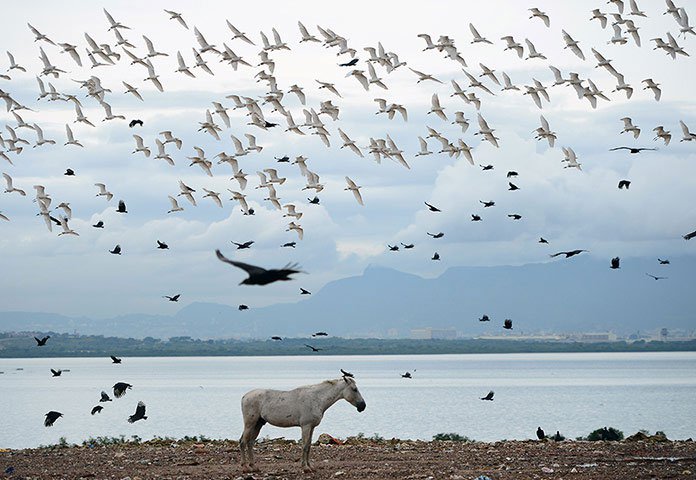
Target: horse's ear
x=345, y=379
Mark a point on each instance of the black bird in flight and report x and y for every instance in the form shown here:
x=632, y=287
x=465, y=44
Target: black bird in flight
x=393, y=248
x=104, y=397
x=484, y=318
x=314, y=201
x=258, y=275
x=511, y=173
x=432, y=208
x=487, y=204
x=283, y=159
x=320, y=334
x=656, y=278
x=689, y=236
x=99, y=224
x=407, y=246
x=615, y=263
x=436, y=256
x=69, y=172
x=139, y=413
x=304, y=292
x=242, y=307
x=568, y=254
x=540, y=433
x=120, y=389
x=51, y=417
x=624, y=184
x=162, y=245
x=97, y=409
x=512, y=186
x=314, y=349
x=507, y=324
x=121, y=207
x=56, y=373
x=347, y=374
x=476, y=218
x=289, y=244
x=406, y=375
x=40, y=342
x=489, y=396
x=349, y=63
x=242, y=246
x=436, y=235
x=175, y=298
x=543, y=240
x=135, y=122
x=486, y=167
x=116, y=250
x=631, y=149
x=663, y=262
x=115, y=359
x=276, y=338
x=514, y=216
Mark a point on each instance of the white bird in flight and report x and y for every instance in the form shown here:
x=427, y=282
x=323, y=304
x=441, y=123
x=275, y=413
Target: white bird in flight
x=355, y=189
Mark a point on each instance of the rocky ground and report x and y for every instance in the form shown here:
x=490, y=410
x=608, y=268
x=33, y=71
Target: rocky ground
x=361, y=459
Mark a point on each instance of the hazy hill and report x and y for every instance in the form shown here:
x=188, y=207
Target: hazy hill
x=579, y=294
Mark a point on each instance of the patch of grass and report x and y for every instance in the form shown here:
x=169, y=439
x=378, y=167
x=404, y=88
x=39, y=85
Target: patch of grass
x=451, y=437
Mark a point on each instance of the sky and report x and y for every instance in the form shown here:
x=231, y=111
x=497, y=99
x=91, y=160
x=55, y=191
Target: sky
x=571, y=208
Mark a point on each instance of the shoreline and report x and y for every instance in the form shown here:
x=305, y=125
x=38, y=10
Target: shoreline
x=85, y=346
x=356, y=458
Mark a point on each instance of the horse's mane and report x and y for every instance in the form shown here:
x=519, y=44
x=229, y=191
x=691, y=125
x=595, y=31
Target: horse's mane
x=337, y=380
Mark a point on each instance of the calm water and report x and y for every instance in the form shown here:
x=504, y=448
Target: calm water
x=573, y=393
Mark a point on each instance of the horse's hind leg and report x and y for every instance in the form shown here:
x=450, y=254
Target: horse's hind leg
x=251, y=432
x=307, y=431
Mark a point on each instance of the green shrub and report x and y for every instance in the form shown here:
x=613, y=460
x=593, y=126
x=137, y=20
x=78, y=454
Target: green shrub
x=610, y=434
x=451, y=437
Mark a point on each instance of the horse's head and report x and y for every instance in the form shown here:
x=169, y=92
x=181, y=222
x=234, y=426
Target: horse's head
x=352, y=394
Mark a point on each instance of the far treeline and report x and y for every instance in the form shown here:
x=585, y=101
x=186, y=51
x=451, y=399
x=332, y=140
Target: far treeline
x=23, y=345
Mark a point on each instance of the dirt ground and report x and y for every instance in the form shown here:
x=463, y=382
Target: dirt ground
x=362, y=459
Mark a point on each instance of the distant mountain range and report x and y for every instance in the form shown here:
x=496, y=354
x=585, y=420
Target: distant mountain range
x=573, y=295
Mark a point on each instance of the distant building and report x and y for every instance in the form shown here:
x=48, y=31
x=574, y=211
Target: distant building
x=597, y=337
x=433, y=333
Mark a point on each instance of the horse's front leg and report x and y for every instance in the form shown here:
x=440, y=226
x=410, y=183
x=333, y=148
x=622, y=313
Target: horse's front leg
x=307, y=431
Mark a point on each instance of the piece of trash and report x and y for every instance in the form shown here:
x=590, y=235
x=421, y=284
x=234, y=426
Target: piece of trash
x=326, y=439
x=547, y=470
x=9, y=470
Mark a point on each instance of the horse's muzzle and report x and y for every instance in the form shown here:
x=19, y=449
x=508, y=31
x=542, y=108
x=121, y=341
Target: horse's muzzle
x=361, y=406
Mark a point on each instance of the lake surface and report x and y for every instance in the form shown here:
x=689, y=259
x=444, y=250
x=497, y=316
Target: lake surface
x=571, y=392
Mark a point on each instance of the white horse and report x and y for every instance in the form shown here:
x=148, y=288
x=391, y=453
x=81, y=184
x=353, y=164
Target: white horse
x=302, y=407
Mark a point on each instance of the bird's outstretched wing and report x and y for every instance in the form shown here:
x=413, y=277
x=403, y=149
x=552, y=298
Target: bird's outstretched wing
x=250, y=269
